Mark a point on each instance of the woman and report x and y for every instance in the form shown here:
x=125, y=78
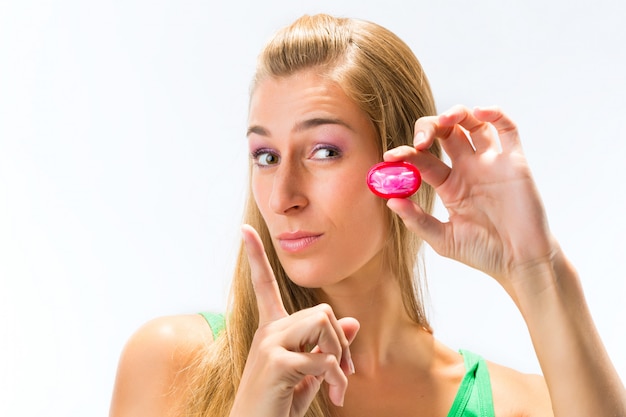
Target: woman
x=326, y=317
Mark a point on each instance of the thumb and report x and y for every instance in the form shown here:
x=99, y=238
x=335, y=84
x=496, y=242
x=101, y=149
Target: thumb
x=419, y=222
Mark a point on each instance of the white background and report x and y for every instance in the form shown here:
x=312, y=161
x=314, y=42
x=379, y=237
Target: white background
x=123, y=155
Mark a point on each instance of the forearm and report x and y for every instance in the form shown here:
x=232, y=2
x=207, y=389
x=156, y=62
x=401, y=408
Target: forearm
x=581, y=378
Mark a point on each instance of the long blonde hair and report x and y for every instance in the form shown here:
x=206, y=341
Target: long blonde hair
x=379, y=72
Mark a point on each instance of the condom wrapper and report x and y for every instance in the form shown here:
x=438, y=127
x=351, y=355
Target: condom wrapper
x=394, y=179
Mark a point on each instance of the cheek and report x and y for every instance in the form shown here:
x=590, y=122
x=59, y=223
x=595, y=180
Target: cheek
x=356, y=207
x=260, y=192
x=356, y=185
x=362, y=232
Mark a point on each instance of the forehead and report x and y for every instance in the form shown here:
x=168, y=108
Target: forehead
x=288, y=100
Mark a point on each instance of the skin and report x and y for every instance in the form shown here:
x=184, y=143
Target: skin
x=312, y=144
x=496, y=224
x=149, y=375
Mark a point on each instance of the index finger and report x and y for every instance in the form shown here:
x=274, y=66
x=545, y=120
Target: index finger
x=268, y=297
x=427, y=129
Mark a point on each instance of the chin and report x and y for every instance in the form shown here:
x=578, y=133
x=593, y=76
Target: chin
x=308, y=281
x=309, y=276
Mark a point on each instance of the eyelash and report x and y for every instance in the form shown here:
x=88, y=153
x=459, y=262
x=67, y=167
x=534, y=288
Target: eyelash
x=331, y=148
x=257, y=154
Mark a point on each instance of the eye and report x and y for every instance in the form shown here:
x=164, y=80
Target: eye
x=325, y=152
x=265, y=157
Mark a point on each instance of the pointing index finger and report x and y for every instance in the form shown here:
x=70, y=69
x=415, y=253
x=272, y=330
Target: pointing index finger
x=268, y=297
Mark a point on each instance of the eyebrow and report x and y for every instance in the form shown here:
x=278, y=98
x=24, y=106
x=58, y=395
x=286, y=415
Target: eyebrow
x=301, y=126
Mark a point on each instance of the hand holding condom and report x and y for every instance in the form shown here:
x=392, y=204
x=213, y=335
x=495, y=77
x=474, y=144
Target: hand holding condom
x=495, y=218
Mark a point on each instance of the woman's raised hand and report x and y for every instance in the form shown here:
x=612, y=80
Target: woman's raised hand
x=496, y=218
x=281, y=377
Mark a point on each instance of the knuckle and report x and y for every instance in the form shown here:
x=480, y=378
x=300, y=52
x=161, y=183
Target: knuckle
x=330, y=361
x=265, y=335
x=324, y=307
x=322, y=314
x=321, y=318
x=263, y=331
x=277, y=359
x=332, y=367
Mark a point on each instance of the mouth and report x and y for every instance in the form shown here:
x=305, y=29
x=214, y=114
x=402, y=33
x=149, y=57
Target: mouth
x=294, y=242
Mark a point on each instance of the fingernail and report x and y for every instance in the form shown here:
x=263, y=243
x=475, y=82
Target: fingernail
x=351, y=366
x=346, y=362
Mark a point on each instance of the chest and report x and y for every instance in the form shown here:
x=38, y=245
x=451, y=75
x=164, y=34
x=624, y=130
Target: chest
x=400, y=395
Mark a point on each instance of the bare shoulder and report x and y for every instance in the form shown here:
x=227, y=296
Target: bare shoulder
x=516, y=394
x=152, y=365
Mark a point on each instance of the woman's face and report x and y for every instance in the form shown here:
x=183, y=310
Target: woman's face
x=311, y=148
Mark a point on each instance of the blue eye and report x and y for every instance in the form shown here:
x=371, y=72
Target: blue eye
x=326, y=152
x=265, y=157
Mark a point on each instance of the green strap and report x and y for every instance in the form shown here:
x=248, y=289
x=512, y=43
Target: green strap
x=216, y=322
x=474, y=397
x=483, y=383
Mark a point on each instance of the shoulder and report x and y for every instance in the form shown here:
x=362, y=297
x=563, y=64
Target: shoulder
x=518, y=394
x=152, y=364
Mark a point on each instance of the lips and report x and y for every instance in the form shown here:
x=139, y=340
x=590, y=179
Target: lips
x=294, y=242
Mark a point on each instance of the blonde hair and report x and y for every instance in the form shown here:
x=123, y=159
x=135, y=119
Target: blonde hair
x=379, y=72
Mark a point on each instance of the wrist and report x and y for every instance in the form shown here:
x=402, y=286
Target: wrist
x=540, y=286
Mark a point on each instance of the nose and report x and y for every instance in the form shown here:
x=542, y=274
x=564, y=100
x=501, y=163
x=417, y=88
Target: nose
x=288, y=189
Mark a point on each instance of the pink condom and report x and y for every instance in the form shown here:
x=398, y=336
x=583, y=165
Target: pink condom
x=394, y=179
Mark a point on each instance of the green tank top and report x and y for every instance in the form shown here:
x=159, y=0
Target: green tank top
x=216, y=322
x=473, y=399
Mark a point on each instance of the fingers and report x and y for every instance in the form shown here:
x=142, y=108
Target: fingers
x=506, y=128
x=318, y=326
x=463, y=133
x=350, y=328
x=323, y=366
x=268, y=297
x=464, y=123
x=281, y=345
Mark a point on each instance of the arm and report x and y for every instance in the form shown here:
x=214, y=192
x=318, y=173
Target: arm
x=579, y=373
x=151, y=372
x=497, y=224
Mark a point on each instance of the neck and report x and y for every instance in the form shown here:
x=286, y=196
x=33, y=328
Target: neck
x=387, y=332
